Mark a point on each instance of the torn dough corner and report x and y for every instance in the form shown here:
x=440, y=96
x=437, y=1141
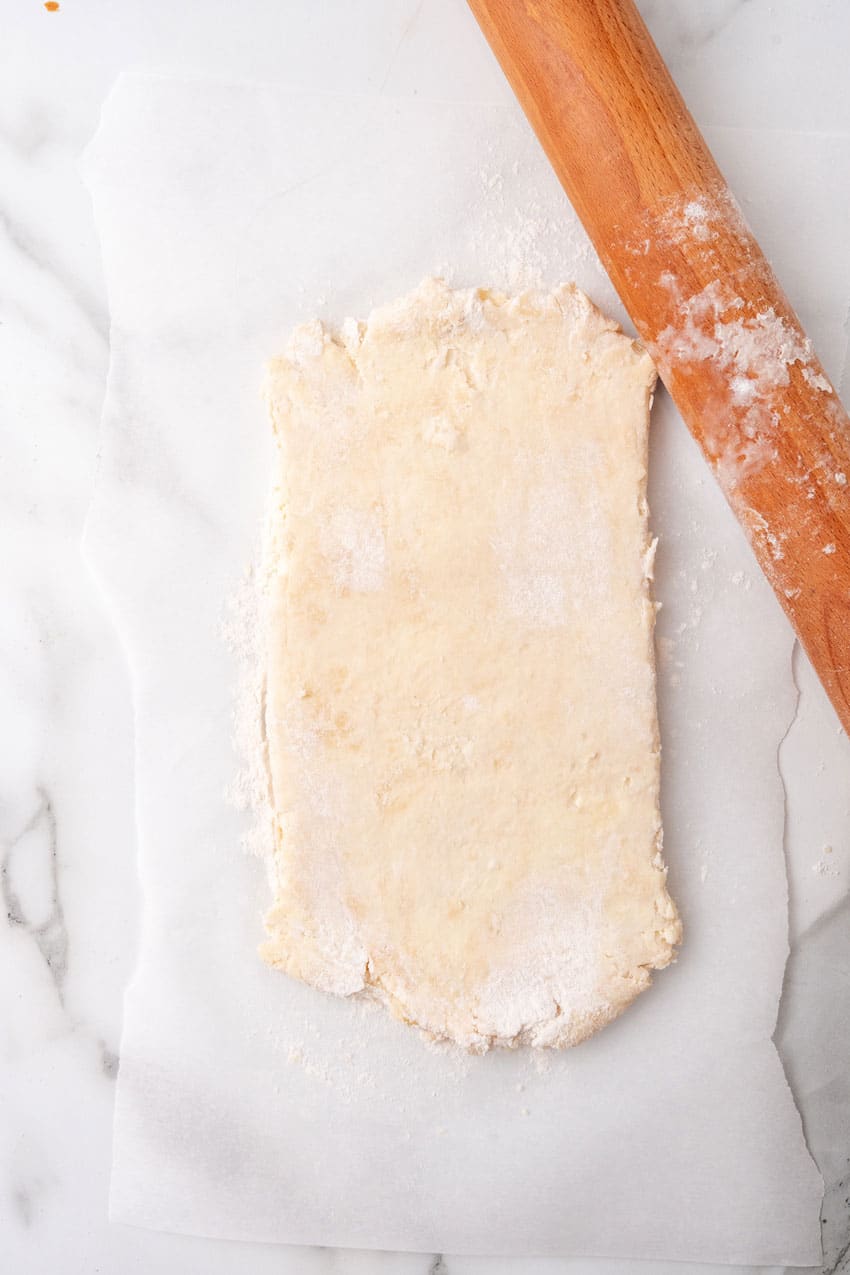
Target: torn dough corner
x=460, y=687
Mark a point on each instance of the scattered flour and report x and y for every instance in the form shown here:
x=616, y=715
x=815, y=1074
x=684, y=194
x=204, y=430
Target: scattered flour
x=528, y=241
x=825, y=867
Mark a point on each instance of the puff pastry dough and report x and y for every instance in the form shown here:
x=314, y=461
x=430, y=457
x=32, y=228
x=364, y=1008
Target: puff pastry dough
x=460, y=709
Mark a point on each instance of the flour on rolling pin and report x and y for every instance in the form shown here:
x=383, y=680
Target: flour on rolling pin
x=752, y=348
x=755, y=353
x=731, y=355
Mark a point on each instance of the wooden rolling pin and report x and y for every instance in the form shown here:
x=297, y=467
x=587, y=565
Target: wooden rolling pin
x=705, y=301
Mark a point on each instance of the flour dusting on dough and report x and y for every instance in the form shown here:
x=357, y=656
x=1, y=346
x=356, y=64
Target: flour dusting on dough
x=353, y=542
x=539, y=545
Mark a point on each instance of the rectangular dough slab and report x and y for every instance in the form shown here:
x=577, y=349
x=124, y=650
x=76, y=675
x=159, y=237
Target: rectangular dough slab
x=461, y=721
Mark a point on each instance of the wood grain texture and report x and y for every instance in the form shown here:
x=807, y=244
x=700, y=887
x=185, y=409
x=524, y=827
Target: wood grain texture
x=704, y=299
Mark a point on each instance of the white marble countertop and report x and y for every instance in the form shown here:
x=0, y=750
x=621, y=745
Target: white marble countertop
x=66, y=813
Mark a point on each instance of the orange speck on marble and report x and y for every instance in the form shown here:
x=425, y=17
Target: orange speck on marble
x=52, y=6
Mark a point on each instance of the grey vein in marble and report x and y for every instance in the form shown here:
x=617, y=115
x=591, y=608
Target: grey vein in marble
x=813, y=1035
x=693, y=26
x=35, y=848
x=42, y=259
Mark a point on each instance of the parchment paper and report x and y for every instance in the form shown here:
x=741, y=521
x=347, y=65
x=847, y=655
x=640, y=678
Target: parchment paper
x=250, y=1106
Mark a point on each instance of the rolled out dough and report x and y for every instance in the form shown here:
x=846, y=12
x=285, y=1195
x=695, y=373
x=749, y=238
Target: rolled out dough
x=460, y=708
